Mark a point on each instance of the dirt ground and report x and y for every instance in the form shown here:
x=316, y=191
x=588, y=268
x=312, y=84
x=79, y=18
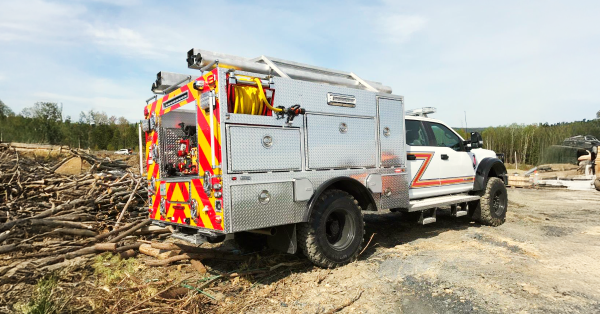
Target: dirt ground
x=544, y=259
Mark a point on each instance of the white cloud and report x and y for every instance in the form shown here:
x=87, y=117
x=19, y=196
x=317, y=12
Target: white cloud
x=37, y=20
x=124, y=41
x=398, y=28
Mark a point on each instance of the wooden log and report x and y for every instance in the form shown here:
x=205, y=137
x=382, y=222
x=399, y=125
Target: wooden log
x=5, y=235
x=115, y=231
x=131, y=230
x=58, y=223
x=54, y=210
x=152, y=230
x=128, y=201
x=76, y=232
x=197, y=256
x=160, y=254
x=169, y=260
x=134, y=246
x=180, y=246
x=7, y=248
x=128, y=254
x=112, y=247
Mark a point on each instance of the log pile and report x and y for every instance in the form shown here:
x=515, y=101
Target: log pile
x=48, y=219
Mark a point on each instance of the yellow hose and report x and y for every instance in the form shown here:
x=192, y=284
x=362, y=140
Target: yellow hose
x=250, y=100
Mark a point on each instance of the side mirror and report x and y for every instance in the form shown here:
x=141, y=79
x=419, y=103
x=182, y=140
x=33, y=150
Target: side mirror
x=476, y=140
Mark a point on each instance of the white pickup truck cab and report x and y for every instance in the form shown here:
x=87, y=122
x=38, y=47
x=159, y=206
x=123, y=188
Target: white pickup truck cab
x=441, y=164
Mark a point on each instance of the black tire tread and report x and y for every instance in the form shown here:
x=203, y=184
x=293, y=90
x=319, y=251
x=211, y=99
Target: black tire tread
x=485, y=214
x=307, y=240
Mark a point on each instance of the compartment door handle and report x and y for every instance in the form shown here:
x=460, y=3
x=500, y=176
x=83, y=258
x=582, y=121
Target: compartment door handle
x=445, y=157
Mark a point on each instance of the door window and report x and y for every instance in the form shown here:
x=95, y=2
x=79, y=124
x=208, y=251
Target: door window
x=415, y=133
x=444, y=137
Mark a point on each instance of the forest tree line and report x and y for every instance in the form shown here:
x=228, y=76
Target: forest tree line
x=43, y=123
x=534, y=143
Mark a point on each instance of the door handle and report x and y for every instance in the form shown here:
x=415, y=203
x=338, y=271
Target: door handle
x=445, y=157
x=411, y=157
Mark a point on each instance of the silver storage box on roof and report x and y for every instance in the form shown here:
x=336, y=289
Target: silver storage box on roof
x=260, y=149
x=341, y=141
x=264, y=205
x=391, y=132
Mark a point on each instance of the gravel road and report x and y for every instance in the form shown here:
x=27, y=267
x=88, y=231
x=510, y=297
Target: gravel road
x=544, y=259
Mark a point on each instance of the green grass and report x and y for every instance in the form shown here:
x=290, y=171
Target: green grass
x=45, y=299
x=109, y=268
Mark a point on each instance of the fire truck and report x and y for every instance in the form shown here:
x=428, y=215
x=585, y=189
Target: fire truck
x=290, y=156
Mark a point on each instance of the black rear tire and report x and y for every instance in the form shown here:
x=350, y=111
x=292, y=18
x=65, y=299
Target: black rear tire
x=333, y=235
x=597, y=183
x=491, y=209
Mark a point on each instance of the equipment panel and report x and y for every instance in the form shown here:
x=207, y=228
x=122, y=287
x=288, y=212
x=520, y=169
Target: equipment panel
x=264, y=205
x=340, y=141
x=260, y=149
x=391, y=132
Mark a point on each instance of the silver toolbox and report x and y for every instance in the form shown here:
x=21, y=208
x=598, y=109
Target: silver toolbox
x=264, y=205
x=340, y=141
x=259, y=149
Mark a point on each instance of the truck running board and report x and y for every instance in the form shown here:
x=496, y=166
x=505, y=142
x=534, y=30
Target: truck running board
x=417, y=205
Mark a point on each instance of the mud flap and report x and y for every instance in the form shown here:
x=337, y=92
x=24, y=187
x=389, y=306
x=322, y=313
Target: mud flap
x=284, y=239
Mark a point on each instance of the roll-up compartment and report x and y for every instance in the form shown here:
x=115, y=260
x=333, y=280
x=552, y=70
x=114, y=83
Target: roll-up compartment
x=341, y=141
x=260, y=149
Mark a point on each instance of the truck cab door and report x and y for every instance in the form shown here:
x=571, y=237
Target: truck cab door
x=423, y=173
x=454, y=164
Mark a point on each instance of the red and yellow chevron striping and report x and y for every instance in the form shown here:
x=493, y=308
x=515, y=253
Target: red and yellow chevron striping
x=179, y=195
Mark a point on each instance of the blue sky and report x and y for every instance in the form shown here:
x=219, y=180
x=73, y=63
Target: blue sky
x=500, y=61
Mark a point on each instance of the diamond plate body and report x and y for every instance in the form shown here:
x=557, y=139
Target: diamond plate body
x=313, y=97
x=391, y=132
x=250, y=213
x=248, y=153
x=395, y=187
x=340, y=141
x=241, y=207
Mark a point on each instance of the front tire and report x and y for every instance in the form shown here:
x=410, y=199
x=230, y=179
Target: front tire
x=491, y=209
x=333, y=235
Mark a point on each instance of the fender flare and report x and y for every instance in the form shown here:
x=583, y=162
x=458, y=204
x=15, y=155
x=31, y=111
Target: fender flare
x=487, y=165
x=352, y=186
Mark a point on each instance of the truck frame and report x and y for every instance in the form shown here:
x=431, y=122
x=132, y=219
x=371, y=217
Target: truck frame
x=292, y=154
